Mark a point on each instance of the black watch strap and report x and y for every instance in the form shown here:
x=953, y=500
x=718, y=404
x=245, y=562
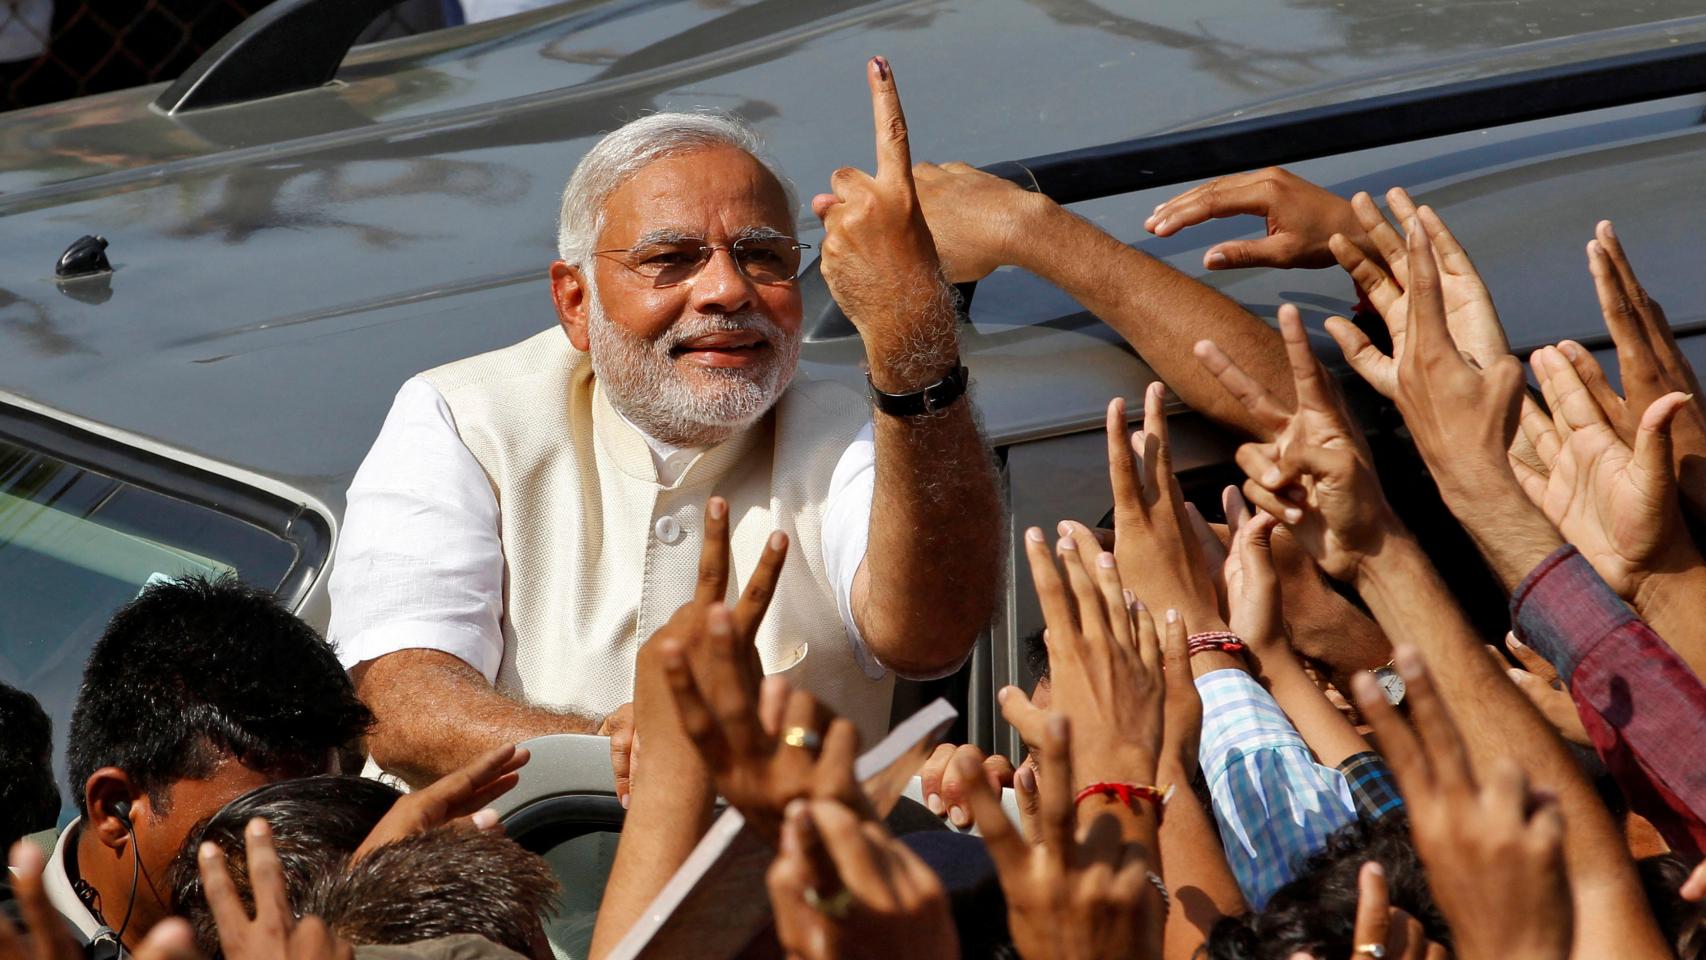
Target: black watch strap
x=936, y=396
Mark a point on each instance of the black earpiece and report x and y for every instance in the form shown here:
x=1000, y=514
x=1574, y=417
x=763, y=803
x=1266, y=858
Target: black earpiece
x=121, y=810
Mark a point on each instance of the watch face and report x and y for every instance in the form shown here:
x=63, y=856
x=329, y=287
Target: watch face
x=1392, y=684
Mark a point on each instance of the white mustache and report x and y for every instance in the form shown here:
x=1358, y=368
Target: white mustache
x=691, y=328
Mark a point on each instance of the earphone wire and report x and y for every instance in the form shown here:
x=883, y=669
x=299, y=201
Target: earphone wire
x=135, y=873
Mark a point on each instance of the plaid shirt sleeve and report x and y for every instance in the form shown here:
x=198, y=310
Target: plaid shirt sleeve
x=1275, y=805
x=1643, y=708
x=1372, y=785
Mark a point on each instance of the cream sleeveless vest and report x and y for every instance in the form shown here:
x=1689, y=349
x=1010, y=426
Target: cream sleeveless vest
x=598, y=553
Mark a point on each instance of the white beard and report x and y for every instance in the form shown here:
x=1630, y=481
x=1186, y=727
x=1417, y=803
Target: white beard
x=692, y=408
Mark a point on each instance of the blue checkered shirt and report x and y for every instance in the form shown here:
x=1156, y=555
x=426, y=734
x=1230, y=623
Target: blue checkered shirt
x=1274, y=803
x=1372, y=785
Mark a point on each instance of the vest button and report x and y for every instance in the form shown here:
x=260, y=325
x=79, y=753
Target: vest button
x=667, y=529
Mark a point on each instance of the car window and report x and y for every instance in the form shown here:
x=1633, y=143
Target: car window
x=577, y=836
x=76, y=544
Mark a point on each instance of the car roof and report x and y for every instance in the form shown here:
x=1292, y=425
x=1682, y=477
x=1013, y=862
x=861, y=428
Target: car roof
x=281, y=267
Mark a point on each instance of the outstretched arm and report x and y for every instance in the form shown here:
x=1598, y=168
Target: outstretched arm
x=1316, y=480
x=981, y=222
x=932, y=567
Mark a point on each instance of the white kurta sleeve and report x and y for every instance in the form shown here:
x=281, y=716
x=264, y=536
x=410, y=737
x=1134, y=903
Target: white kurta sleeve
x=847, y=532
x=419, y=561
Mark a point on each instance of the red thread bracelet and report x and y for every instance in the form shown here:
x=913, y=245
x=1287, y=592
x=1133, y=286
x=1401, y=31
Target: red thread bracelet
x=1223, y=641
x=1126, y=793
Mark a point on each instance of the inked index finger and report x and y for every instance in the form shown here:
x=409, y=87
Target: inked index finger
x=894, y=152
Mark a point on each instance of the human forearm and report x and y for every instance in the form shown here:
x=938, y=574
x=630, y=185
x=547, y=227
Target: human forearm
x=1413, y=606
x=933, y=562
x=1193, y=865
x=436, y=713
x=1510, y=532
x=1161, y=312
x=662, y=827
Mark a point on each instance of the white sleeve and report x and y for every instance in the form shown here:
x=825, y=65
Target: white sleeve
x=419, y=563
x=847, y=532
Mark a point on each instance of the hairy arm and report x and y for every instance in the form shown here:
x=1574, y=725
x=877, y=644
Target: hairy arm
x=437, y=713
x=981, y=222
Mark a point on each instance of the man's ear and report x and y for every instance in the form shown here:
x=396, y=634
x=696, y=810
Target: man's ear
x=105, y=789
x=569, y=293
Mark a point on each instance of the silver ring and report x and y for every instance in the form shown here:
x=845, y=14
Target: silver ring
x=802, y=738
x=1376, y=951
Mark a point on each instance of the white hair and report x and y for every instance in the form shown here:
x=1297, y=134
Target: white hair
x=625, y=150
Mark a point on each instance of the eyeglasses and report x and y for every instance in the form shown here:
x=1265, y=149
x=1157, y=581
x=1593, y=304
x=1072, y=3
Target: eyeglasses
x=669, y=262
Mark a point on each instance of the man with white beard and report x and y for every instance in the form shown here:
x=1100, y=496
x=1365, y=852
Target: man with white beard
x=529, y=517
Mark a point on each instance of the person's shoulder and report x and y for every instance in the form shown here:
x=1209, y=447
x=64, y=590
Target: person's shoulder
x=546, y=353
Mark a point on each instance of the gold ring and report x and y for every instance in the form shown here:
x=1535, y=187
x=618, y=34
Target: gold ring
x=834, y=907
x=803, y=738
x=1376, y=951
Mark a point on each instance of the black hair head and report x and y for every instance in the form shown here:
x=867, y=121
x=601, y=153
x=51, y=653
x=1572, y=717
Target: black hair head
x=1316, y=912
x=29, y=800
x=317, y=823
x=437, y=884
x=195, y=670
x=1683, y=923
x=1036, y=656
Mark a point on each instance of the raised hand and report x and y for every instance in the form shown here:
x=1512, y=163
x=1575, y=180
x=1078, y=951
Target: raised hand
x=1104, y=665
x=1071, y=895
x=1158, y=554
x=1314, y=475
x=275, y=932
x=1252, y=583
x=1494, y=851
x=757, y=769
x=1378, y=923
x=879, y=259
x=1649, y=363
x=1617, y=505
x=842, y=887
x=1385, y=280
x=1301, y=217
x=943, y=792
x=463, y=795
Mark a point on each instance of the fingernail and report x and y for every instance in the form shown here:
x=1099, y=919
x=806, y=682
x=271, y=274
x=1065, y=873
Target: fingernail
x=1609, y=231
x=1063, y=528
x=717, y=508
x=1157, y=209
x=625, y=799
x=882, y=67
x=795, y=810
x=1215, y=260
x=1130, y=598
x=208, y=851
x=485, y=819
x=1106, y=562
x=1026, y=779
x=1515, y=674
x=778, y=540
x=1271, y=477
x=1172, y=615
x=1374, y=867
x=934, y=802
x=1067, y=543
x=1034, y=534
x=1160, y=225
x=1001, y=694
x=1293, y=515
x=958, y=817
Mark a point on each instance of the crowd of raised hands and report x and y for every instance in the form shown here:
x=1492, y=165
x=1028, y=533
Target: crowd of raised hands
x=1275, y=735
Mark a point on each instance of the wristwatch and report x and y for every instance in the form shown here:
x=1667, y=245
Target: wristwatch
x=1390, y=683
x=936, y=396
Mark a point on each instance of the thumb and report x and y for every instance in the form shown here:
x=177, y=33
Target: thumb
x=1363, y=356
x=1234, y=254
x=1653, y=445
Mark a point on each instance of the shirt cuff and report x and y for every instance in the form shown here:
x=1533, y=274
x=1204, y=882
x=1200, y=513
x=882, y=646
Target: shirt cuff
x=474, y=649
x=1563, y=607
